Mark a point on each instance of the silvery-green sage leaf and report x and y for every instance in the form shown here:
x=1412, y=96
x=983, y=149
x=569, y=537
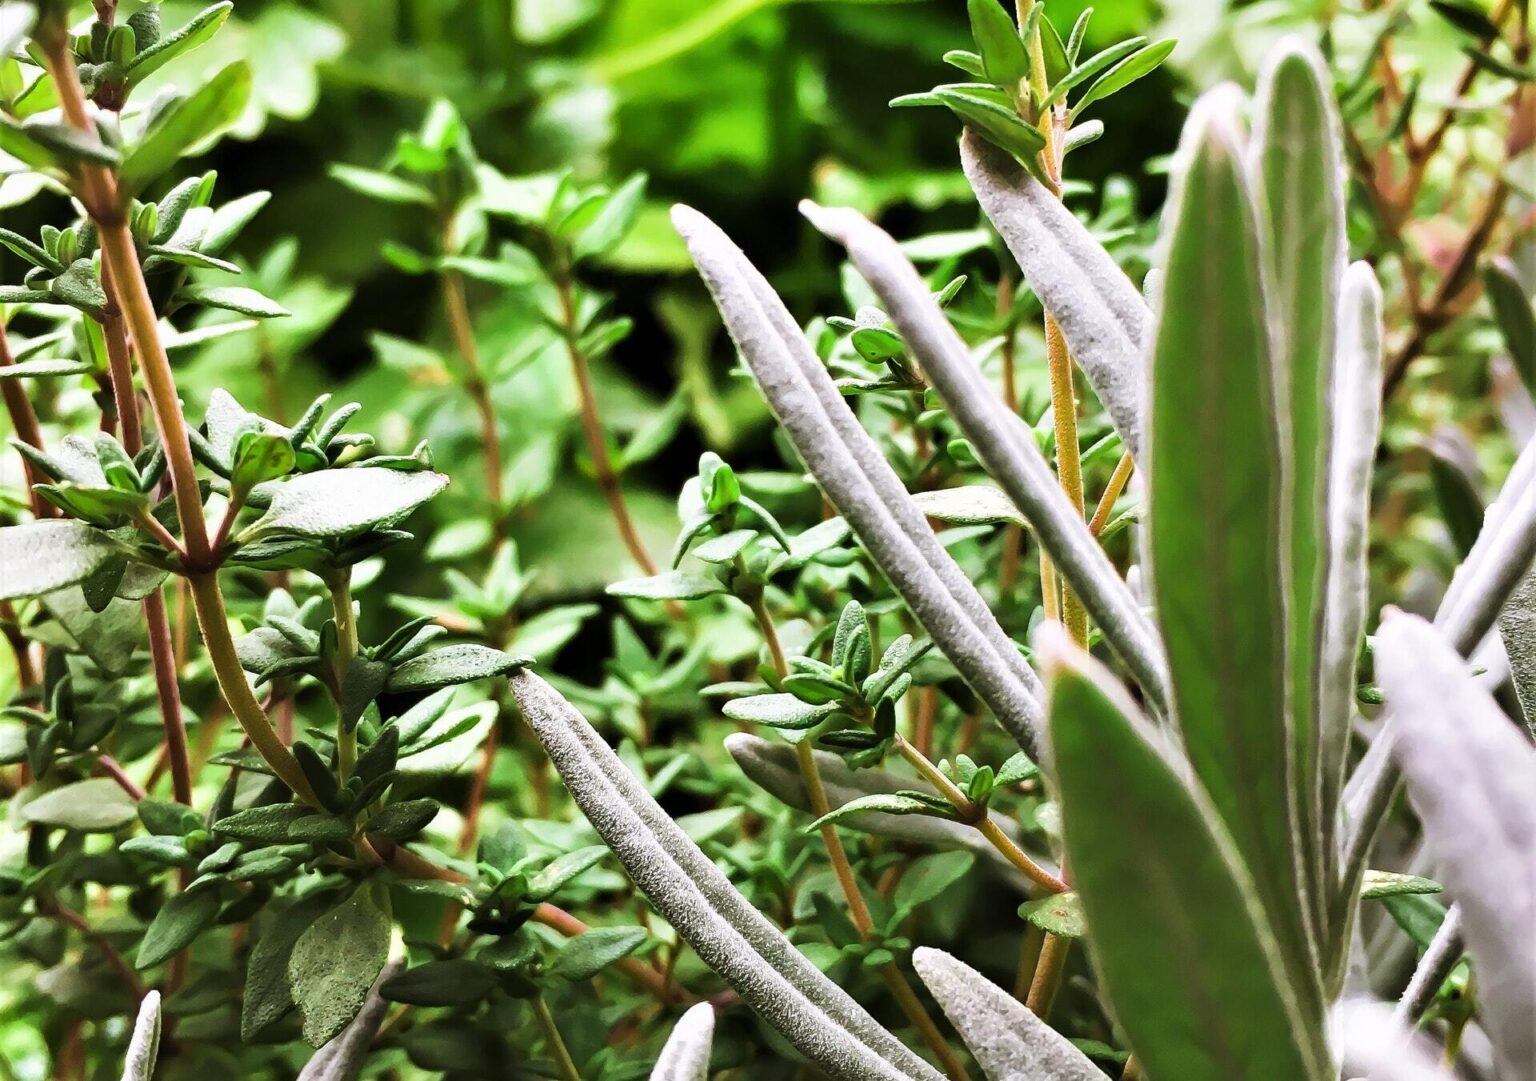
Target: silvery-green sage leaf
x=1356, y=426
x=336, y=502
x=685, y=1056
x=342, y=1059
x=1001, y=439
x=144, y=1044
x=1010, y=1043
x=1165, y=891
x=724, y=929
x=1373, y=1045
x=1101, y=314
x=855, y=476
x=1470, y=774
x=1440, y=958
x=1216, y=487
x=1297, y=170
x=1517, y=627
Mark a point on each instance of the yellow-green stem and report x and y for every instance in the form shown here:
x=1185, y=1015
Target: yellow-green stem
x=1069, y=466
x=1117, y=482
x=842, y=868
x=346, y=648
x=557, y=1049
x=208, y=602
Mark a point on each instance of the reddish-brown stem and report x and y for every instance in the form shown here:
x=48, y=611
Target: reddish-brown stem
x=592, y=426
x=70, y=918
x=162, y=657
x=478, y=787
x=24, y=421
x=114, y=769
x=456, y=309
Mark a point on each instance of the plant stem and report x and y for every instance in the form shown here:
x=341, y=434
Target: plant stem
x=1117, y=482
x=209, y=603
x=641, y=974
x=1053, y=960
x=1132, y=1071
x=557, y=1048
x=456, y=309
x=114, y=769
x=24, y=422
x=842, y=868
x=103, y=202
x=978, y=817
x=340, y=585
x=1068, y=459
x=71, y=918
x=163, y=660
x=592, y=425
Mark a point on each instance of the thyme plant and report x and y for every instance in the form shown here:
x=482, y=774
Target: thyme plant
x=1181, y=741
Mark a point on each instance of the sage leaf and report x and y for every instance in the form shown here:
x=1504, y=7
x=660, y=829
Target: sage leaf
x=144, y=1043
x=452, y=665
x=779, y=711
x=1101, y=313
x=1215, y=488
x=1006, y=1037
x=40, y=557
x=727, y=932
x=176, y=924
x=1296, y=167
x=1470, y=774
x=854, y=474
x=1517, y=628
x=685, y=1055
x=342, y=1059
x=1164, y=890
x=336, y=960
x=1355, y=422
x=336, y=502
x=1003, y=442
x=1513, y=312
x=1378, y=884
x=95, y=805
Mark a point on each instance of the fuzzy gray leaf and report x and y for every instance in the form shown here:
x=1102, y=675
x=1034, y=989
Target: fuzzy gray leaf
x=1470, y=774
x=855, y=476
x=1005, y=445
x=686, y=1054
x=342, y=1059
x=727, y=932
x=1517, y=626
x=1356, y=423
x=1010, y=1043
x=1373, y=1046
x=144, y=1044
x=1102, y=316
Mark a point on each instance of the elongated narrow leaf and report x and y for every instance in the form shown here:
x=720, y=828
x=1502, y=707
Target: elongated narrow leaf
x=1008, y=1040
x=1002, y=441
x=724, y=929
x=1216, y=533
x=1356, y=424
x=855, y=476
x=1100, y=312
x=1297, y=171
x=1373, y=1045
x=1513, y=312
x=1517, y=627
x=773, y=767
x=1470, y=774
x=685, y=1057
x=212, y=107
x=1176, y=930
x=144, y=1044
